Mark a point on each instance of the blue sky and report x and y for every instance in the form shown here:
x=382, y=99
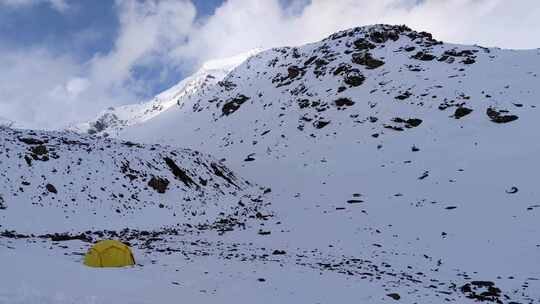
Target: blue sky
x=82, y=30
x=63, y=61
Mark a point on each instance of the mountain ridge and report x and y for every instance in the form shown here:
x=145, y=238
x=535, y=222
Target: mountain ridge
x=86, y=183
x=113, y=119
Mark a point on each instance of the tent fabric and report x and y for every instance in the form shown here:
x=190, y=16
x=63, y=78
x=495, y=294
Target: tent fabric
x=109, y=253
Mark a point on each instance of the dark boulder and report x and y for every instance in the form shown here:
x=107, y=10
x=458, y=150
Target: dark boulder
x=499, y=117
x=319, y=124
x=423, y=56
x=293, y=71
x=31, y=141
x=354, y=79
x=363, y=44
x=39, y=150
x=367, y=60
x=413, y=122
x=51, y=188
x=461, y=112
x=343, y=102
x=159, y=184
x=234, y=104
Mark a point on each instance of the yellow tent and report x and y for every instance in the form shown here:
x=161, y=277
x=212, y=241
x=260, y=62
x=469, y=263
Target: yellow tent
x=109, y=253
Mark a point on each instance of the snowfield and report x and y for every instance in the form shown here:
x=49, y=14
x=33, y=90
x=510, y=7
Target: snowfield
x=378, y=165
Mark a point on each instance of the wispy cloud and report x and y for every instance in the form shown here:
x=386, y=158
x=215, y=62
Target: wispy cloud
x=45, y=90
x=59, y=5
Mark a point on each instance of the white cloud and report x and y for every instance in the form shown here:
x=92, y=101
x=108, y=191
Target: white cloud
x=59, y=5
x=147, y=31
x=242, y=24
x=43, y=90
x=71, y=90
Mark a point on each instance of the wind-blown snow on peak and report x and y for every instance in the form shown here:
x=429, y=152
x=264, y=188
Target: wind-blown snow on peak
x=112, y=120
x=229, y=63
x=6, y=123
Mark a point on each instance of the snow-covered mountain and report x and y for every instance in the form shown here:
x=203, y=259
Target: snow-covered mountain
x=62, y=182
x=385, y=141
x=113, y=119
x=393, y=167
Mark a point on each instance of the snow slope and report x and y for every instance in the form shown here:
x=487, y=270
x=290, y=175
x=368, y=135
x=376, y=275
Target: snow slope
x=384, y=141
x=61, y=182
x=113, y=119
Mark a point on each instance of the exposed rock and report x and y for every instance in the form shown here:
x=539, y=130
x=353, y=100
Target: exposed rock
x=234, y=104
x=409, y=123
x=105, y=121
x=249, y=157
x=39, y=150
x=61, y=237
x=394, y=296
x=363, y=44
x=343, y=102
x=383, y=36
x=498, y=117
x=224, y=173
x=395, y=128
x=344, y=68
x=410, y=48
x=293, y=71
x=31, y=141
x=179, y=173
x=159, y=184
x=483, y=291
x=51, y=188
x=468, y=61
x=424, y=175
x=354, y=79
x=461, y=112
x=403, y=95
x=366, y=60
x=423, y=56
x=319, y=124
x=227, y=85
x=413, y=122
x=512, y=190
